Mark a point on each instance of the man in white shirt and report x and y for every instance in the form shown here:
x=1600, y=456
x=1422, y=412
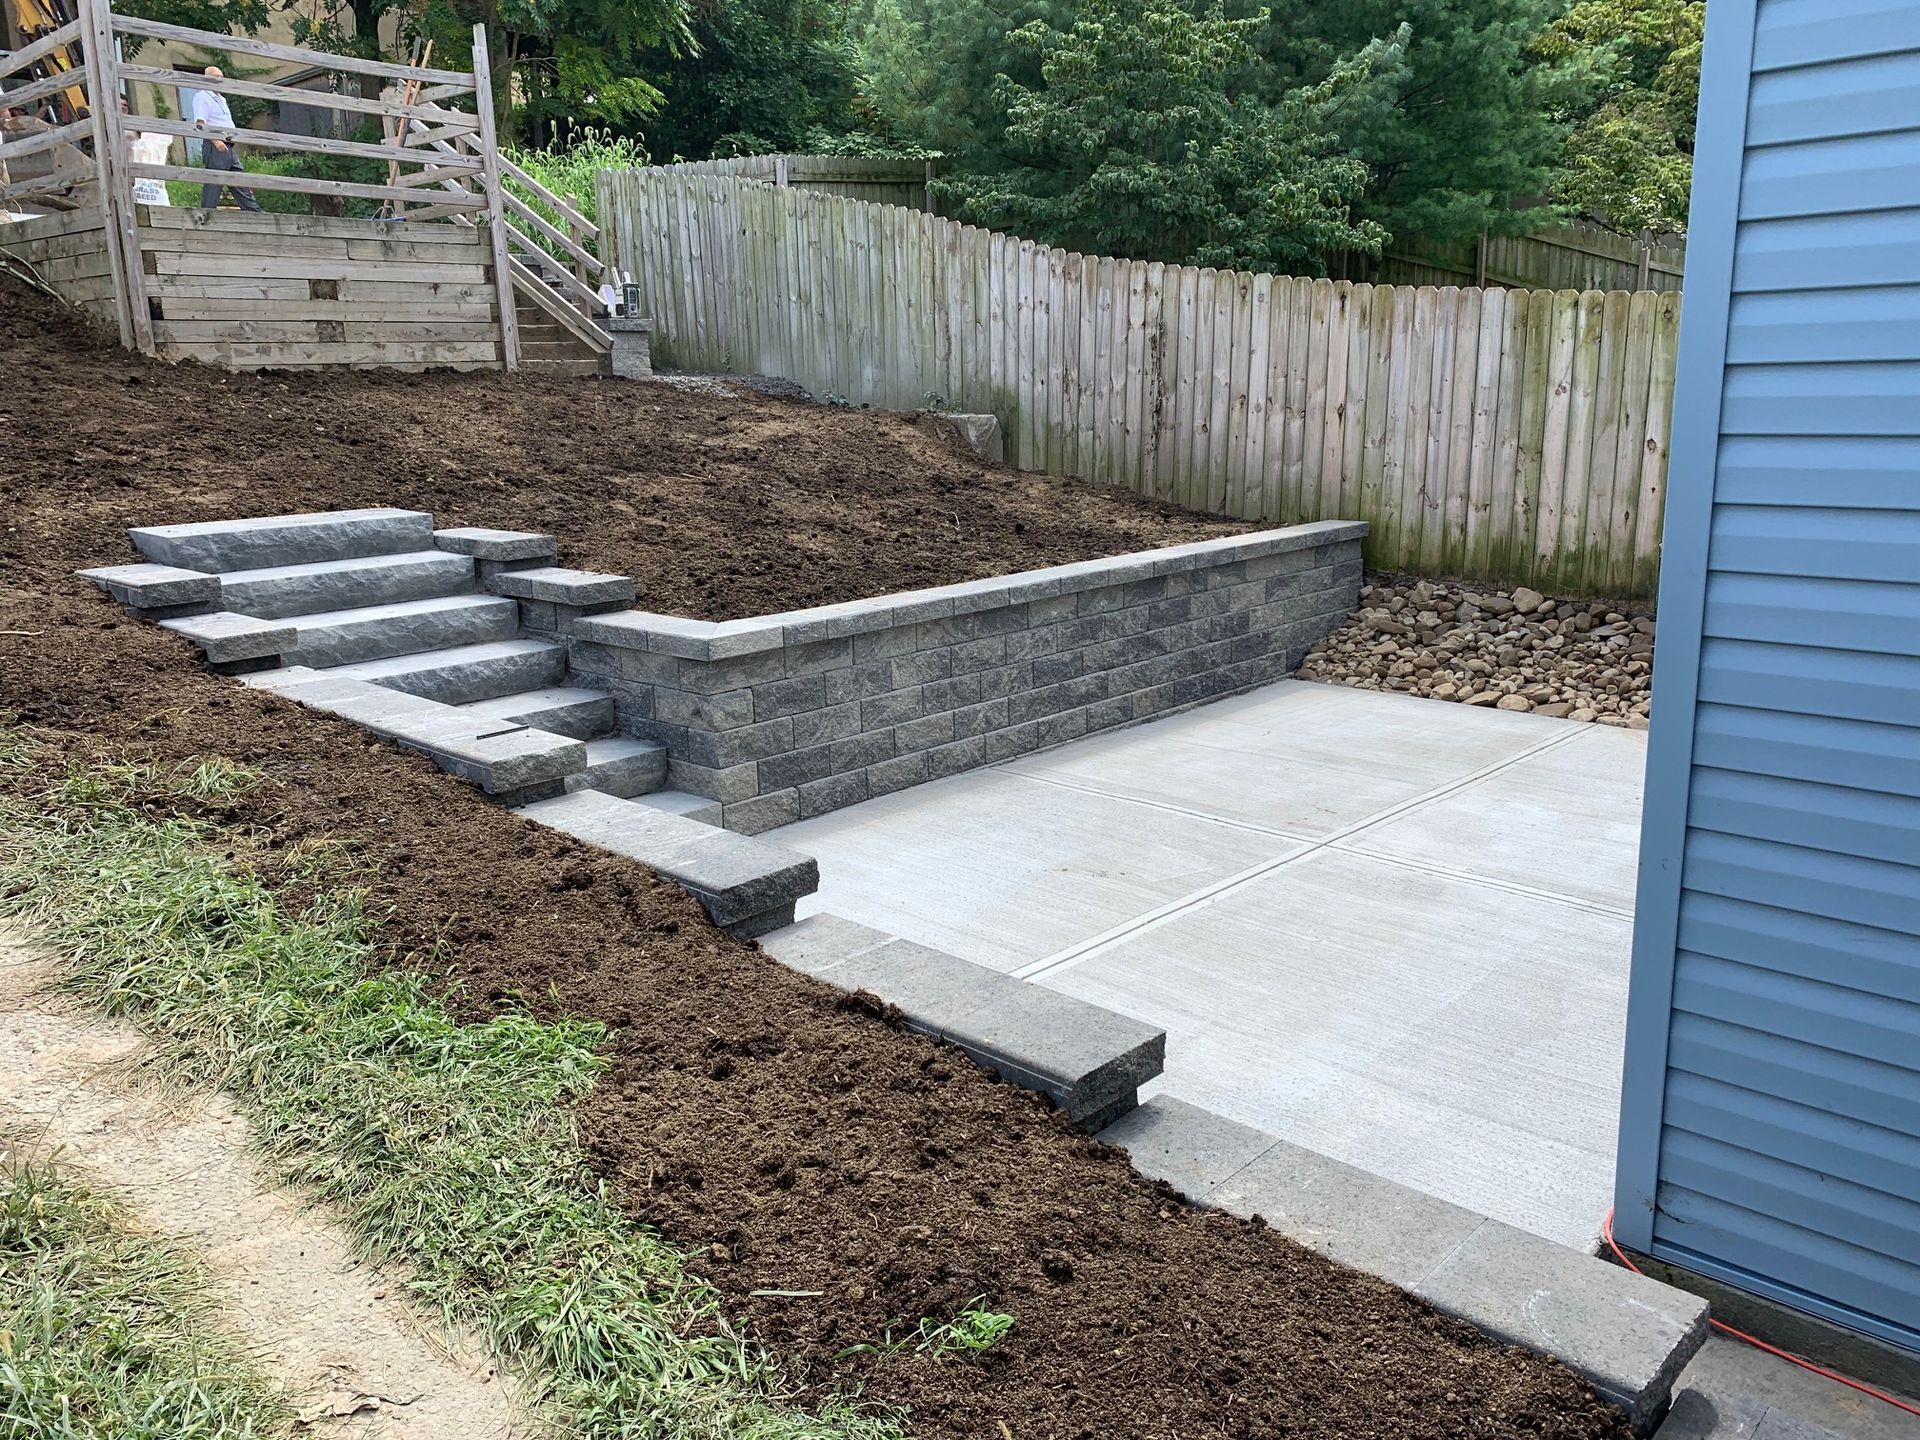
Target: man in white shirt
x=210, y=108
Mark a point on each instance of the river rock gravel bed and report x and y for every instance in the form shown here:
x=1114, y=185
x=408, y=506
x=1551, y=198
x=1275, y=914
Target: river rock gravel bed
x=1510, y=649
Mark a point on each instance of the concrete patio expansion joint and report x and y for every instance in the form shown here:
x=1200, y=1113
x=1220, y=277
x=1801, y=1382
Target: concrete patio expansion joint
x=1097, y=945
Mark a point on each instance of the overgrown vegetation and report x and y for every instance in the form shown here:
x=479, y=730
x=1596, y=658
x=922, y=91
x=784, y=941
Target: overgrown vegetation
x=443, y=1146
x=108, y=1334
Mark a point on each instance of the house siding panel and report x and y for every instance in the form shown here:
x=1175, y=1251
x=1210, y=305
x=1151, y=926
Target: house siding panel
x=1770, y=1127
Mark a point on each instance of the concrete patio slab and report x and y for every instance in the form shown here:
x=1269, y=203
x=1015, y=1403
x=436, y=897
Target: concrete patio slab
x=1002, y=870
x=1393, y=931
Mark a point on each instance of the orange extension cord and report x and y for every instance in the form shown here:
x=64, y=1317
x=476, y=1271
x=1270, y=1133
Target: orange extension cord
x=1606, y=1228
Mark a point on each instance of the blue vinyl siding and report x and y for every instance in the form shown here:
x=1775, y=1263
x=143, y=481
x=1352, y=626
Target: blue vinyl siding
x=1770, y=1120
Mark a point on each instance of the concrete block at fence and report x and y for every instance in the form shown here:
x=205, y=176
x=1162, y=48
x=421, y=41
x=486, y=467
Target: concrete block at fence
x=1191, y=1149
x=632, y=347
x=739, y=880
x=980, y=434
x=221, y=545
x=224, y=637
x=156, y=587
x=484, y=544
x=556, y=585
x=1626, y=1335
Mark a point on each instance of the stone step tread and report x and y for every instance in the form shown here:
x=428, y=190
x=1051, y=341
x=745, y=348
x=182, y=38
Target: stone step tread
x=224, y=637
x=484, y=543
x=1627, y=1335
x=616, y=765
x=460, y=674
x=287, y=591
x=220, y=545
x=745, y=884
x=564, y=709
x=373, y=632
x=685, y=802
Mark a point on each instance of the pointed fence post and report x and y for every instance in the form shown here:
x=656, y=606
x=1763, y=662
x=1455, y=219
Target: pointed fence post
x=496, y=214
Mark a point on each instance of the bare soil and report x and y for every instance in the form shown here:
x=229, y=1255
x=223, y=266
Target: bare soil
x=788, y=1137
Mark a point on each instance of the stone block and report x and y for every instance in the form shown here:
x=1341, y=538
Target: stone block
x=835, y=722
x=734, y=782
x=632, y=356
x=220, y=545
x=858, y=752
x=898, y=640
x=727, y=710
x=763, y=812
x=971, y=720
x=152, y=587
x=1051, y=699
x=224, y=637
x=896, y=774
x=796, y=767
x=981, y=654
x=1082, y=1057
x=883, y=711
x=924, y=733
x=1105, y=714
x=1626, y=1335
x=1051, y=610
x=740, y=880
x=818, y=656
x=1050, y=670
x=953, y=694
x=835, y=792
x=724, y=749
x=1153, y=700
x=979, y=433
x=789, y=697
x=497, y=545
x=822, y=941
x=556, y=585
x=1193, y=1150
x=967, y=754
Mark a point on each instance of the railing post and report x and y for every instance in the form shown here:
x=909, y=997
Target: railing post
x=496, y=217
x=110, y=159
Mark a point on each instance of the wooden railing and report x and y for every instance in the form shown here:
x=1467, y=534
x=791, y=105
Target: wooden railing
x=443, y=119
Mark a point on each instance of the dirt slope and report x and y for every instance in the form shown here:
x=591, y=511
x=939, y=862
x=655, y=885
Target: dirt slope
x=792, y=1138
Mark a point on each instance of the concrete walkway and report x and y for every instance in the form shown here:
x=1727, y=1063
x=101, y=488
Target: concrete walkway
x=1393, y=931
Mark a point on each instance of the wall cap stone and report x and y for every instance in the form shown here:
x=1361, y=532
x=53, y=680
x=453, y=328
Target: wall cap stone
x=726, y=640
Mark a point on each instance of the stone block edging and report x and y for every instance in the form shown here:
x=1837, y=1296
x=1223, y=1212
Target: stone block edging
x=1626, y=1335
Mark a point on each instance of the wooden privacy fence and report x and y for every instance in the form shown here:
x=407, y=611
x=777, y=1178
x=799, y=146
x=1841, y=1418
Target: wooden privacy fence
x=1576, y=258
x=1506, y=435
x=858, y=177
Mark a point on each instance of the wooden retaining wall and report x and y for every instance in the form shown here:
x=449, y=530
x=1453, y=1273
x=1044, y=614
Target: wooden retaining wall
x=68, y=250
x=1507, y=435
x=294, y=291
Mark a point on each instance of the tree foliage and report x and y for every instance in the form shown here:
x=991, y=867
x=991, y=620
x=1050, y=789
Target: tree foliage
x=1154, y=133
x=1469, y=137
x=1629, y=159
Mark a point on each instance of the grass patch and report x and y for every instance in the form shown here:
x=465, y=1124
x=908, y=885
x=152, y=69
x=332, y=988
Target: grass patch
x=448, y=1148
x=106, y=1334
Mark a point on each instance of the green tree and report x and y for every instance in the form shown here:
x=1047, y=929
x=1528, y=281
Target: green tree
x=1629, y=160
x=1154, y=133
x=930, y=69
x=1473, y=138
x=761, y=76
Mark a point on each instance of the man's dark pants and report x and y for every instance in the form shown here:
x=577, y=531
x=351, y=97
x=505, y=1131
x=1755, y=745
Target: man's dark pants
x=227, y=159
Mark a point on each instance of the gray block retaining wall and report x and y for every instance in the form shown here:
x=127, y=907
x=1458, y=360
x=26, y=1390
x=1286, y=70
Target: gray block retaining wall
x=782, y=717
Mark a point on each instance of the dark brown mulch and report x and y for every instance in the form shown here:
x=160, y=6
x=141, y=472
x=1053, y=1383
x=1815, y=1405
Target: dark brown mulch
x=787, y=1137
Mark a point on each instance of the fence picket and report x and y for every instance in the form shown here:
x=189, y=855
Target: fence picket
x=1499, y=434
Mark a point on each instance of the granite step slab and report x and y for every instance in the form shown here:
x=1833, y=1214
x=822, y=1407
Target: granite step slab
x=1088, y=1060
x=222, y=545
x=484, y=544
x=685, y=802
x=499, y=756
x=412, y=627
x=556, y=585
x=747, y=886
x=227, y=639
x=616, y=765
x=158, y=590
x=563, y=709
x=277, y=592
x=461, y=674
x=1626, y=1335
